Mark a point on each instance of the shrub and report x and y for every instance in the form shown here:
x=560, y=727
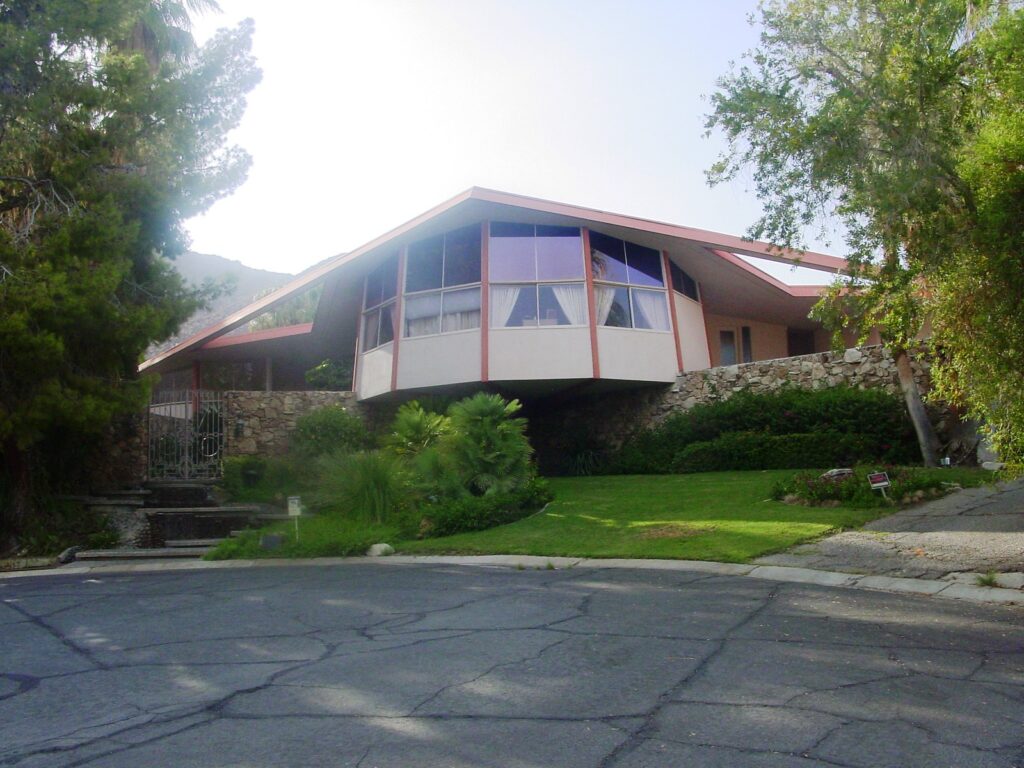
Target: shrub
x=488, y=445
x=374, y=486
x=267, y=480
x=330, y=429
x=331, y=376
x=415, y=429
x=758, y=450
x=477, y=513
x=908, y=485
x=877, y=419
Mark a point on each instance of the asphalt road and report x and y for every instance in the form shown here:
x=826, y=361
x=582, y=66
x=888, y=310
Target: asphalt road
x=400, y=665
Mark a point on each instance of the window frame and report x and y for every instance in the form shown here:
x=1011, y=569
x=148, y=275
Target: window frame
x=440, y=313
x=664, y=288
x=536, y=286
x=381, y=306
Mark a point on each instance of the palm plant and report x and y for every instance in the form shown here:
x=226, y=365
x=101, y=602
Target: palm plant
x=488, y=444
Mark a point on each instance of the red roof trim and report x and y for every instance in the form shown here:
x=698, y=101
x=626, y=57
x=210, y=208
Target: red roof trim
x=266, y=335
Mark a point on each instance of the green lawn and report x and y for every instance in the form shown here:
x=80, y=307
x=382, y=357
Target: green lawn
x=723, y=516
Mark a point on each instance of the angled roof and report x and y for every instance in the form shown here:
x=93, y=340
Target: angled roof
x=722, y=245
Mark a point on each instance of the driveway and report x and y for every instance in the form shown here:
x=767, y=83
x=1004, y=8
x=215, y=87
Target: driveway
x=369, y=664
x=971, y=531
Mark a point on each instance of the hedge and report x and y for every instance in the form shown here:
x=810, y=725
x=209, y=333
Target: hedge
x=758, y=450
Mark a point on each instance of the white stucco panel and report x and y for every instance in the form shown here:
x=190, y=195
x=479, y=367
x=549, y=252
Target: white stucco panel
x=430, y=361
x=374, y=374
x=633, y=355
x=693, y=337
x=540, y=353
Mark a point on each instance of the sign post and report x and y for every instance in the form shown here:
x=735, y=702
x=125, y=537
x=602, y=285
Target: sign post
x=295, y=511
x=879, y=481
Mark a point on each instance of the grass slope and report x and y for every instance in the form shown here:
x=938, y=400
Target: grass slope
x=724, y=516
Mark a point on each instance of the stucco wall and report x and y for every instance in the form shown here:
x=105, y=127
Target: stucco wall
x=767, y=340
x=693, y=339
x=261, y=422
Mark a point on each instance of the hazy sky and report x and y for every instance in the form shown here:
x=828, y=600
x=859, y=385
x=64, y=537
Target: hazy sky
x=373, y=111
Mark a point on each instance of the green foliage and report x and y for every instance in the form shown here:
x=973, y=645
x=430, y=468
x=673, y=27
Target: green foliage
x=295, y=311
x=373, y=486
x=113, y=131
x=324, y=536
x=267, y=480
x=758, y=450
x=908, y=485
x=488, y=445
x=904, y=121
x=65, y=524
x=476, y=513
x=331, y=376
x=415, y=429
x=330, y=429
x=873, y=424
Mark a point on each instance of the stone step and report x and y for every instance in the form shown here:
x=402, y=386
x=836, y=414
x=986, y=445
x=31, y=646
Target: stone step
x=142, y=554
x=186, y=543
x=226, y=511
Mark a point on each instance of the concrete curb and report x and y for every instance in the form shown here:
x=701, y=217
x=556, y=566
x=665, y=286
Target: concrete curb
x=925, y=587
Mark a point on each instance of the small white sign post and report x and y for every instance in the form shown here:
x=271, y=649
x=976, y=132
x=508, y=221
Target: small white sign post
x=879, y=482
x=295, y=511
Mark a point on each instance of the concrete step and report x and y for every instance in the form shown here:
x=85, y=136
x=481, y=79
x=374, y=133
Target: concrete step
x=187, y=543
x=142, y=554
x=226, y=511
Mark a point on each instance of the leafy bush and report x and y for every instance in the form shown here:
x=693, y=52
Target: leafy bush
x=758, y=450
x=266, y=480
x=374, y=486
x=488, y=445
x=908, y=485
x=326, y=536
x=415, y=429
x=331, y=376
x=477, y=513
x=60, y=524
x=330, y=429
x=876, y=419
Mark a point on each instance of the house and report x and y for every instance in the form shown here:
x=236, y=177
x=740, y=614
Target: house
x=528, y=296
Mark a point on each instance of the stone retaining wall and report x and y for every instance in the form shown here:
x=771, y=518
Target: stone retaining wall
x=261, y=422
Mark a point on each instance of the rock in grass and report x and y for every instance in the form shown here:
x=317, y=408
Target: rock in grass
x=380, y=550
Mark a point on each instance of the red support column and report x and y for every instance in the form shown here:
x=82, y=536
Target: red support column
x=672, y=309
x=485, y=301
x=397, y=319
x=591, y=304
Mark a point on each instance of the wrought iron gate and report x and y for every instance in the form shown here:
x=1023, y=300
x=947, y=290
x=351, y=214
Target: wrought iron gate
x=186, y=435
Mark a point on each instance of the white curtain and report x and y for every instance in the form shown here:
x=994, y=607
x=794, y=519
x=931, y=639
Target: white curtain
x=461, y=310
x=423, y=315
x=573, y=301
x=604, y=297
x=503, y=301
x=651, y=307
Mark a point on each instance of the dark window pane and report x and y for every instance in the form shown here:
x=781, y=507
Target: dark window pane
x=562, y=304
x=373, y=290
x=748, y=351
x=423, y=270
x=612, y=306
x=607, y=258
x=727, y=345
x=423, y=315
x=650, y=310
x=559, y=253
x=644, y=265
x=389, y=277
x=371, y=326
x=524, y=307
x=682, y=282
x=462, y=256
x=387, y=324
x=511, y=252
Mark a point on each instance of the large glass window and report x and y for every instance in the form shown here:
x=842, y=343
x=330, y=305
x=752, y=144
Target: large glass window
x=434, y=266
x=624, y=274
x=379, y=305
x=527, y=253
x=532, y=305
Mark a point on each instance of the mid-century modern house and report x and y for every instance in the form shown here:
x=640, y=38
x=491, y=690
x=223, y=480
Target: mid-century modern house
x=524, y=295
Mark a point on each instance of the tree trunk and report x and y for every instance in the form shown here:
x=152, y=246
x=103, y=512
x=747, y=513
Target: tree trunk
x=17, y=502
x=926, y=437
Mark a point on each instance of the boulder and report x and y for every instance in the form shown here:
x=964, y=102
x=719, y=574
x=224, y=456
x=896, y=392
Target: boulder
x=380, y=550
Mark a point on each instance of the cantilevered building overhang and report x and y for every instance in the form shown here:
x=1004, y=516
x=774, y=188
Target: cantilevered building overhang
x=526, y=295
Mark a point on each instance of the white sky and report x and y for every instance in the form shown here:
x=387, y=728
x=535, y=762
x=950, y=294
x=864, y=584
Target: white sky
x=373, y=111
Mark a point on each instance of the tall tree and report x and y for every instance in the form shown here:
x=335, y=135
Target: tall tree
x=871, y=111
x=105, y=149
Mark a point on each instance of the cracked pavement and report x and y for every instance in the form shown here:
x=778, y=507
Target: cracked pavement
x=427, y=665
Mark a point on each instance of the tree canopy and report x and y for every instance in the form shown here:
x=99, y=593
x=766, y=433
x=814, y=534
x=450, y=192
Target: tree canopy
x=113, y=128
x=902, y=120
